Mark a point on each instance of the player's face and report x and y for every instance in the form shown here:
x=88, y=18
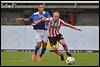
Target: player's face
x=41, y=8
x=56, y=16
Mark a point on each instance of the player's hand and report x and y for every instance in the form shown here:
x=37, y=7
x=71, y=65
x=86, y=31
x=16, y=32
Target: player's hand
x=19, y=19
x=33, y=24
x=79, y=29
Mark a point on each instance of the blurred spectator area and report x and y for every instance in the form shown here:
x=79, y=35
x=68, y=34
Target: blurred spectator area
x=76, y=13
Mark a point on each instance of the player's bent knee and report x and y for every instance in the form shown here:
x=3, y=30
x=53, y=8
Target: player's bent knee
x=44, y=44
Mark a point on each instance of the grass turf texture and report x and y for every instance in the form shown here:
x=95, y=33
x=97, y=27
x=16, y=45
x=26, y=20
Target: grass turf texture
x=13, y=58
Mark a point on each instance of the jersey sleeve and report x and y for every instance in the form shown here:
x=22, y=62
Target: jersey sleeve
x=48, y=15
x=34, y=17
x=63, y=23
x=30, y=17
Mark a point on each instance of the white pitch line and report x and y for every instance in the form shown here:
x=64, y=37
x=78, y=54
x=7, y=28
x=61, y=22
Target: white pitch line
x=12, y=60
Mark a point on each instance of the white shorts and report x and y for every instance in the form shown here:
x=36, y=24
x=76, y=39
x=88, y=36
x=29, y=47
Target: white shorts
x=41, y=35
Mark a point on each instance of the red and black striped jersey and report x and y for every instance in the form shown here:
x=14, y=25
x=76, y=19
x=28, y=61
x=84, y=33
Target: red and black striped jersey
x=54, y=26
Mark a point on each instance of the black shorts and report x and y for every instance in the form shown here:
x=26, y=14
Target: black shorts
x=53, y=40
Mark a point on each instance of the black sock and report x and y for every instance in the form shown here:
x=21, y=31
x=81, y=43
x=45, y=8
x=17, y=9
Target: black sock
x=66, y=49
x=62, y=58
x=68, y=54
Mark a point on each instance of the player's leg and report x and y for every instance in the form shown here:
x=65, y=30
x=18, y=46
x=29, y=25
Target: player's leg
x=37, y=47
x=57, y=52
x=38, y=44
x=53, y=42
x=44, y=43
x=62, y=42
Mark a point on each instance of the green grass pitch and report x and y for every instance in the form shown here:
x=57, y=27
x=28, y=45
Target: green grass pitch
x=13, y=58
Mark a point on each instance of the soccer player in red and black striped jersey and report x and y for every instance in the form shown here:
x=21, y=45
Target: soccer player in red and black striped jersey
x=54, y=26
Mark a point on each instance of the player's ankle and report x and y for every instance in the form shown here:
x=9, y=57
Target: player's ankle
x=33, y=57
x=68, y=54
x=39, y=58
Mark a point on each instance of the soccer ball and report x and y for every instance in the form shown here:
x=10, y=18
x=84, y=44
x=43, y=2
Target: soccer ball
x=70, y=60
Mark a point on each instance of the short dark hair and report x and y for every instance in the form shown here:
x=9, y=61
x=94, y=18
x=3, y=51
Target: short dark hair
x=42, y=4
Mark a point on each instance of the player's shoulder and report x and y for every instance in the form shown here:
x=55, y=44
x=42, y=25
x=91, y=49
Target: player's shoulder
x=46, y=12
x=35, y=13
x=60, y=19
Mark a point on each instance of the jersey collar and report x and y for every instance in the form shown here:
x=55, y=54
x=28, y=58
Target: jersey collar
x=42, y=13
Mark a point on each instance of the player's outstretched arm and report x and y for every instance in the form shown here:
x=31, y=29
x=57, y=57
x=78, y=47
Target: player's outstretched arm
x=71, y=26
x=22, y=19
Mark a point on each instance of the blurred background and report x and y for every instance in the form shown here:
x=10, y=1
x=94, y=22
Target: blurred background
x=78, y=13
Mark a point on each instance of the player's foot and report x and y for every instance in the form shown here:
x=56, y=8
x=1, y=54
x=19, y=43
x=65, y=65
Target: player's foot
x=39, y=58
x=62, y=58
x=33, y=56
x=68, y=54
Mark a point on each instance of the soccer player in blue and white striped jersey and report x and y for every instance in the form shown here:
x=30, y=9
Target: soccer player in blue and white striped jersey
x=40, y=30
